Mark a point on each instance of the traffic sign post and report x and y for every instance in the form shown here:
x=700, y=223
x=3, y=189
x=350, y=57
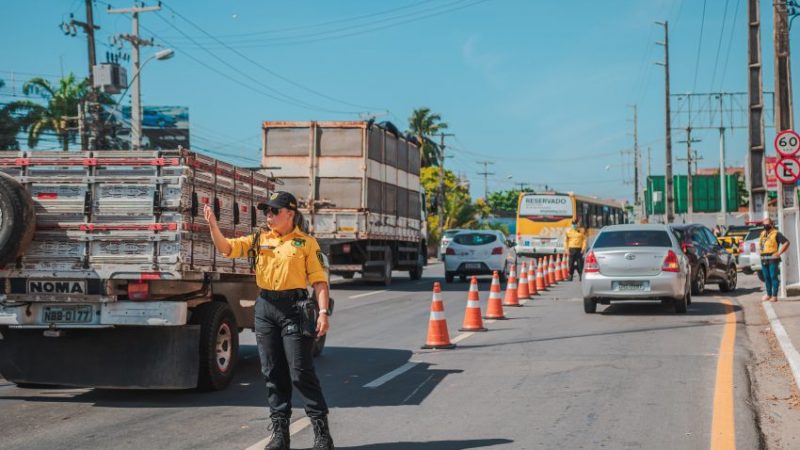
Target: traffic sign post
x=787, y=143
x=787, y=170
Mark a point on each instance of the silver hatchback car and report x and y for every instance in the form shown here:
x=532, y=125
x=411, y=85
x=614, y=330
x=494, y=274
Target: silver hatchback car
x=636, y=262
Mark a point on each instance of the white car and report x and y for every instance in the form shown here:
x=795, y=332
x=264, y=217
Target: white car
x=749, y=254
x=446, y=238
x=478, y=252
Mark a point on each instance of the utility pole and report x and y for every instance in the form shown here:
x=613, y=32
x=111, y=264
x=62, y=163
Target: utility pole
x=690, y=157
x=788, y=213
x=89, y=28
x=758, y=182
x=441, y=181
x=136, y=42
x=486, y=174
x=668, y=209
x=636, y=163
x=649, y=186
x=723, y=188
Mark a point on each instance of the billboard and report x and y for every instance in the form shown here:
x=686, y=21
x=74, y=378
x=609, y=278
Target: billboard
x=163, y=127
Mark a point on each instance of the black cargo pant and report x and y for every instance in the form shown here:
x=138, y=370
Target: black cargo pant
x=286, y=358
x=575, y=261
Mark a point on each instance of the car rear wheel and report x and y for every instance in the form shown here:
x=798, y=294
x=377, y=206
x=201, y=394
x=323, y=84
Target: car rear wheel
x=589, y=306
x=449, y=277
x=699, y=281
x=730, y=281
x=679, y=304
x=462, y=278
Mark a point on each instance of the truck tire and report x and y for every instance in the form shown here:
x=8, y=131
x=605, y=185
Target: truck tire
x=219, y=345
x=416, y=272
x=319, y=345
x=17, y=219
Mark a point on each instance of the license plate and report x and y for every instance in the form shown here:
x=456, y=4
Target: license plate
x=57, y=287
x=631, y=285
x=472, y=266
x=67, y=314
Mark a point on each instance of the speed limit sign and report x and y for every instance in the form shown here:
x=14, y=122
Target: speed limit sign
x=787, y=143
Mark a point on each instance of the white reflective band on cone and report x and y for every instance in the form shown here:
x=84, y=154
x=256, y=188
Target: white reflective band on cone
x=437, y=315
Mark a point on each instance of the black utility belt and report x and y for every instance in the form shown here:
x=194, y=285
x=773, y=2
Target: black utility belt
x=289, y=294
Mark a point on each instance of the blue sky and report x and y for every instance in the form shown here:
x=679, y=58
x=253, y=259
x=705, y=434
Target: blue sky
x=540, y=87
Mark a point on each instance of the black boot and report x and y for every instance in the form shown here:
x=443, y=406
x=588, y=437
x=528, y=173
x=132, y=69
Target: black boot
x=280, y=434
x=322, y=433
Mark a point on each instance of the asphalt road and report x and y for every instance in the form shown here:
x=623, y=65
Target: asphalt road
x=633, y=376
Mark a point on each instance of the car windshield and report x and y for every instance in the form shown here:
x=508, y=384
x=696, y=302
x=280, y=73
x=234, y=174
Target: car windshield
x=754, y=233
x=633, y=238
x=474, y=238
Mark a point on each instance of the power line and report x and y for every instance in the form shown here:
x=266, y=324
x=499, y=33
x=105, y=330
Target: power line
x=730, y=44
x=261, y=66
x=719, y=44
x=699, y=47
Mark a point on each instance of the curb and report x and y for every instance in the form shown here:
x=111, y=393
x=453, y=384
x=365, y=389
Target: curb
x=789, y=351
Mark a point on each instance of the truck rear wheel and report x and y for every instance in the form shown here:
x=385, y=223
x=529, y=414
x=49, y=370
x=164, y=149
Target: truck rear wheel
x=416, y=272
x=219, y=345
x=17, y=219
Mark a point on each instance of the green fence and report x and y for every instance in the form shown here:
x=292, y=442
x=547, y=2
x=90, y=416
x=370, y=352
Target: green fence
x=705, y=192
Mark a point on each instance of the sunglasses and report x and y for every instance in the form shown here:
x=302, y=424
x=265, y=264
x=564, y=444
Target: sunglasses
x=271, y=209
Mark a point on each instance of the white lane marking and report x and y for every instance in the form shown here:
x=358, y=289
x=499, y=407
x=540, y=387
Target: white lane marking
x=368, y=293
x=461, y=337
x=391, y=375
x=295, y=427
x=786, y=344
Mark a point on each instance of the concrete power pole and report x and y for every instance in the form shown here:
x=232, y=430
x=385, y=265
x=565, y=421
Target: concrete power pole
x=89, y=28
x=669, y=207
x=136, y=95
x=723, y=189
x=441, y=181
x=788, y=214
x=690, y=158
x=757, y=180
x=637, y=167
x=485, y=174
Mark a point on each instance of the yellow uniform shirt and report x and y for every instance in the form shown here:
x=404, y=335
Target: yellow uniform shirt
x=292, y=261
x=575, y=238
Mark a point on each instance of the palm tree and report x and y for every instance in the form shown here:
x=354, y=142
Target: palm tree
x=62, y=104
x=9, y=127
x=424, y=124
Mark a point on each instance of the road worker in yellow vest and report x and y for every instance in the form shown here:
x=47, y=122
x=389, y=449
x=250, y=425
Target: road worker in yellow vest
x=772, y=244
x=574, y=246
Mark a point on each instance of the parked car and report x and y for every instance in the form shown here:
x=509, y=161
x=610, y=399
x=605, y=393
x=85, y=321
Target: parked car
x=446, y=238
x=636, y=262
x=709, y=261
x=748, y=251
x=478, y=252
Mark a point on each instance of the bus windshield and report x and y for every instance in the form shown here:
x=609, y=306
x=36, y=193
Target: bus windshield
x=546, y=208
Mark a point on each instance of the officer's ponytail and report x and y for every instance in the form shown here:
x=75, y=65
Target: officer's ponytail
x=299, y=221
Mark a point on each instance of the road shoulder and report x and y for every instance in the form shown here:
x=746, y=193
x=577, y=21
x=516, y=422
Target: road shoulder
x=775, y=394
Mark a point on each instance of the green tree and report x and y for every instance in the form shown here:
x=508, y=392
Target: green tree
x=62, y=103
x=459, y=212
x=504, y=201
x=9, y=127
x=424, y=124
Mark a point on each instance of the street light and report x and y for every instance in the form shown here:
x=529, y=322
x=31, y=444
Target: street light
x=136, y=110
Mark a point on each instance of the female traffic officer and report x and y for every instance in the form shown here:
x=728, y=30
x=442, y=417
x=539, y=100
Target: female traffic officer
x=287, y=261
x=772, y=244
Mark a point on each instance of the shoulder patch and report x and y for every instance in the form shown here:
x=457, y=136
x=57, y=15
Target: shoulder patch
x=297, y=242
x=320, y=258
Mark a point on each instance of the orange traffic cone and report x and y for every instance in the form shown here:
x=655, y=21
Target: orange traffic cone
x=472, y=316
x=532, y=278
x=512, y=289
x=540, y=284
x=551, y=271
x=522, y=289
x=559, y=272
x=565, y=267
x=438, y=337
x=494, y=308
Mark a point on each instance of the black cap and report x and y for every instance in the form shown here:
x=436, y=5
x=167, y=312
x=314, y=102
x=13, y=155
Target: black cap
x=279, y=199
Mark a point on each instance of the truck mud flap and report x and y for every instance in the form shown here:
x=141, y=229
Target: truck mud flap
x=118, y=358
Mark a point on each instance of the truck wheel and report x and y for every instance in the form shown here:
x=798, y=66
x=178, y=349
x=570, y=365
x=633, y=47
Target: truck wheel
x=387, y=267
x=319, y=345
x=17, y=219
x=219, y=345
x=416, y=272
x=449, y=277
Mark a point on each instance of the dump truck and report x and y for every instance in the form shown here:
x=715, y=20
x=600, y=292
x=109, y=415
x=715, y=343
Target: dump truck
x=358, y=185
x=108, y=275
